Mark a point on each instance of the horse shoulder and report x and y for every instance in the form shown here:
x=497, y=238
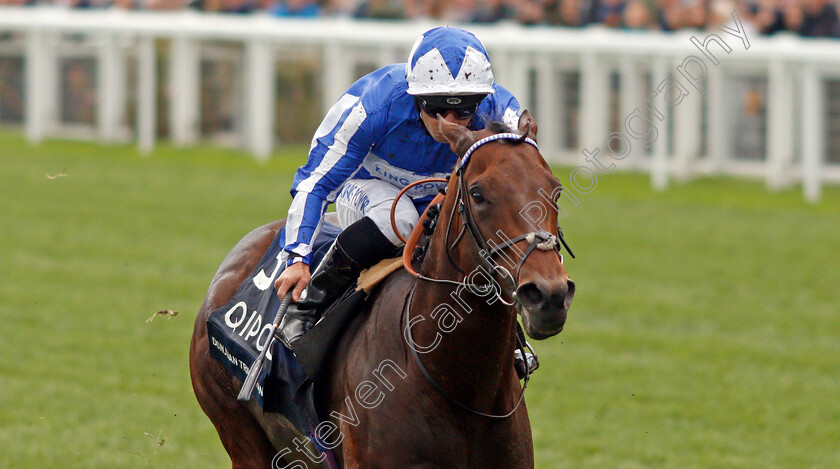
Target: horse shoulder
x=372, y=336
x=239, y=263
x=374, y=379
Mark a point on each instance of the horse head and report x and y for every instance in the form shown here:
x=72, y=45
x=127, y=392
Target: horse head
x=507, y=202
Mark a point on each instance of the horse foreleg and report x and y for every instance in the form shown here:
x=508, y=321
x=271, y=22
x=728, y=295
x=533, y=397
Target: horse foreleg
x=244, y=440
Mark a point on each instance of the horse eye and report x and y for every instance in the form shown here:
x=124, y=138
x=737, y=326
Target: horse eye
x=476, y=194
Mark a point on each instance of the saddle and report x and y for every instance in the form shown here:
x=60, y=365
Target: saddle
x=313, y=349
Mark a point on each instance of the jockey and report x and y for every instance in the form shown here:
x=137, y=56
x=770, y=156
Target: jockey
x=381, y=135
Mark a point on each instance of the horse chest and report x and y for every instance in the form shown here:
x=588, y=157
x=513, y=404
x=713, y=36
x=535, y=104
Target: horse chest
x=389, y=415
x=404, y=434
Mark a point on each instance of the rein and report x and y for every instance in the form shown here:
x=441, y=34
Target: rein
x=537, y=240
x=439, y=389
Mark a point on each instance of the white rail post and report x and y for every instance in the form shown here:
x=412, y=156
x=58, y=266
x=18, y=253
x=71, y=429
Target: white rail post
x=111, y=75
x=687, y=118
x=718, y=144
x=501, y=68
x=630, y=99
x=51, y=81
x=260, y=98
x=565, y=106
x=386, y=55
x=659, y=162
x=337, y=72
x=518, y=63
x=594, y=91
x=36, y=86
x=184, y=69
x=813, y=132
x=549, y=109
x=146, y=95
x=780, y=124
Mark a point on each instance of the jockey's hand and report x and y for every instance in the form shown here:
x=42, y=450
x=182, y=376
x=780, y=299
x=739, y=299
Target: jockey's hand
x=294, y=278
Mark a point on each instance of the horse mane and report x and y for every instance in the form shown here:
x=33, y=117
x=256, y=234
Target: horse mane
x=498, y=127
x=495, y=127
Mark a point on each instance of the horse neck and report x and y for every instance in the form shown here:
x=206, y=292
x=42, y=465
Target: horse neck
x=473, y=361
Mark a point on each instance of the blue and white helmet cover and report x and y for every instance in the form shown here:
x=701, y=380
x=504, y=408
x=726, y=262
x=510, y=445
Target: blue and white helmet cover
x=448, y=61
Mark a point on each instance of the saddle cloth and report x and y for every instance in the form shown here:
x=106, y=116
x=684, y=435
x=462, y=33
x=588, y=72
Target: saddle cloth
x=239, y=330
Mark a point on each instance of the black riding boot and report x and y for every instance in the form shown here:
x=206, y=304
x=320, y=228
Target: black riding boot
x=336, y=272
x=358, y=247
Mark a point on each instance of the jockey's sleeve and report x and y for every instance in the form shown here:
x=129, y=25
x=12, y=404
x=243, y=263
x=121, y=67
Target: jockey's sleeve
x=505, y=107
x=339, y=146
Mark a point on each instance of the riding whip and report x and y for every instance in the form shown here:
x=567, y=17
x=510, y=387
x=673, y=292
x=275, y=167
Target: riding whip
x=256, y=368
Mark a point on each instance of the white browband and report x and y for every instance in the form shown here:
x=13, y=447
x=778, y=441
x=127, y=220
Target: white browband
x=492, y=138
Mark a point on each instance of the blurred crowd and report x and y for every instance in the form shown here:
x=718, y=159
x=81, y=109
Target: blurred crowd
x=812, y=18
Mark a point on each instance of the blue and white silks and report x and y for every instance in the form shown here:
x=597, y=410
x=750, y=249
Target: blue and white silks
x=374, y=132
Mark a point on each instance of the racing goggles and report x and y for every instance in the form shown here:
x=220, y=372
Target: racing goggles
x=464, y=106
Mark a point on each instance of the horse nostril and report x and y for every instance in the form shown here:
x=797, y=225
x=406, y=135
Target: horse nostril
x=530, y=295
x=570, y=293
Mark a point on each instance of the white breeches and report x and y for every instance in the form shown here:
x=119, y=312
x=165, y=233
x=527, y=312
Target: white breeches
x=372, y=198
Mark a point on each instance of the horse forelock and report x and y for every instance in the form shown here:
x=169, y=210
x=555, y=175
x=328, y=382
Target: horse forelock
x=463, y=143
x=466, y=140
x=498, y=127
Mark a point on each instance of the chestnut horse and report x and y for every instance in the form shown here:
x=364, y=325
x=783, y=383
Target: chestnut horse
x=455, y=402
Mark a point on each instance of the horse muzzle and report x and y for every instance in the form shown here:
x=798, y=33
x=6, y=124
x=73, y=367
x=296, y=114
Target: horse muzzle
x=545, y=306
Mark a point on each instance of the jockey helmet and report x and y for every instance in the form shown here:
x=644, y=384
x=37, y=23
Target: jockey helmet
x=448, y=61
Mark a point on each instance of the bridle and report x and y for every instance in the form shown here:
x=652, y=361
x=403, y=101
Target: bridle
x=541, y=240
x=537, y=240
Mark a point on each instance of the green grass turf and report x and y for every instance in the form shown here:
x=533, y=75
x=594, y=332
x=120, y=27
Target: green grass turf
x=705, y=331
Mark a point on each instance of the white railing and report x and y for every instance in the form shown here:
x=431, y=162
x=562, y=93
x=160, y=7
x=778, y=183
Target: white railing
x=764, y=110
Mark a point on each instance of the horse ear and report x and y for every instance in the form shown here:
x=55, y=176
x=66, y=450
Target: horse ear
x=527, y=125
x=458, y=136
